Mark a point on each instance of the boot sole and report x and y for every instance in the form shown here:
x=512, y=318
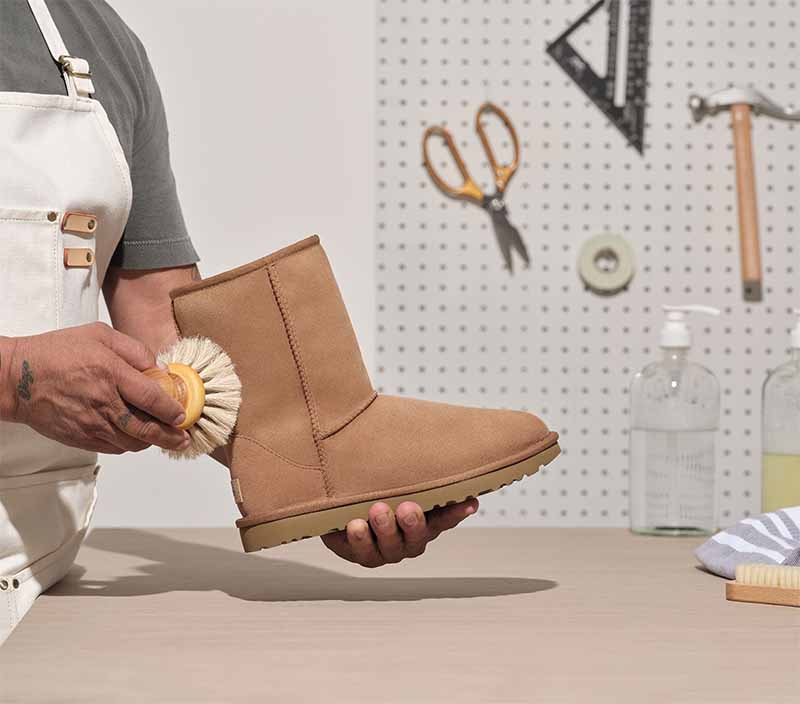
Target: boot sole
x=309, y=525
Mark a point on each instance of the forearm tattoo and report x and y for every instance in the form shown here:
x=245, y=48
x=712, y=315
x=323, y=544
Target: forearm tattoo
x=25, y=381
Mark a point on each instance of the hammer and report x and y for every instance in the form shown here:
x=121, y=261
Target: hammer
x=741, y=102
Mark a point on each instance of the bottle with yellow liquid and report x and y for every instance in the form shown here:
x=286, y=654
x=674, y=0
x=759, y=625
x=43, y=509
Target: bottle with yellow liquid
x=780, y=478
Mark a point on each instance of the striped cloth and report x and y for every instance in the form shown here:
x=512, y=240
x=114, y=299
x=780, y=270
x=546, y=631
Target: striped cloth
x=771, y=538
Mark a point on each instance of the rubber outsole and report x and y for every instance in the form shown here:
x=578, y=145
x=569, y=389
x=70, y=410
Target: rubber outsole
x=309, y=525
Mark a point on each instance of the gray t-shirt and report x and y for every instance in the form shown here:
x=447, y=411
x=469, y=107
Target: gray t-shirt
x=155, y=236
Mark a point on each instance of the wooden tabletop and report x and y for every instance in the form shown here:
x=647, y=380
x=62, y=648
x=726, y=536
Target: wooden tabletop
x=487, y=615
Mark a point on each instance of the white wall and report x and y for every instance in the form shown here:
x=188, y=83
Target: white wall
x=270, y=106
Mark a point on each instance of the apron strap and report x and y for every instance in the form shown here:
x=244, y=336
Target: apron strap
x=76, y=71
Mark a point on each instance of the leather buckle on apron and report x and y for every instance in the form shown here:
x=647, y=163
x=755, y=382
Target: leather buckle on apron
x=79, y=223
x=78, y=256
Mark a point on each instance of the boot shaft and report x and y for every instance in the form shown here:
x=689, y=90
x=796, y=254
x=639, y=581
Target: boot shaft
x=284, y=324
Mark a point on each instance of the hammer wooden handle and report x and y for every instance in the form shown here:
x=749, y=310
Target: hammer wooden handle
x=749, y=246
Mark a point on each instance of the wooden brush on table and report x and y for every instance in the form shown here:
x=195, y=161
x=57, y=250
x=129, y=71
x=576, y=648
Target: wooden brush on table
x=201, y=377
x=765, y=584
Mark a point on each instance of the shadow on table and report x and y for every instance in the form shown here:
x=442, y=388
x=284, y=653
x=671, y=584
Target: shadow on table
x=183, y=566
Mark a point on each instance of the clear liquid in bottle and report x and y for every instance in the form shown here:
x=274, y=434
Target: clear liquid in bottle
x=673, y=474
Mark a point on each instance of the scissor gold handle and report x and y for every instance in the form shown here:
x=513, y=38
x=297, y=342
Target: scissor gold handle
x=468, y=190
x=502, y=172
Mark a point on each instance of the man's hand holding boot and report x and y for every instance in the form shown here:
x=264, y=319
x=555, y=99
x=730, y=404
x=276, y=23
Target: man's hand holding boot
x=390, y=537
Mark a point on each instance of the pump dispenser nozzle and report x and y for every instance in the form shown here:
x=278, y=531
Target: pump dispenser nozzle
x=676, y=332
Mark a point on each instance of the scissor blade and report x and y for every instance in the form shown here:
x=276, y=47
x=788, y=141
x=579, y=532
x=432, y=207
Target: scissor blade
x=508, y=238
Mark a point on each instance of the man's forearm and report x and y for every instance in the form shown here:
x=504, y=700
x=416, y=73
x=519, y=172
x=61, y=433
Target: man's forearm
x=139, y=303
x=8, y=396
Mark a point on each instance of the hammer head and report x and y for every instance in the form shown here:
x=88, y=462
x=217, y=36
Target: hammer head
x=724, y=99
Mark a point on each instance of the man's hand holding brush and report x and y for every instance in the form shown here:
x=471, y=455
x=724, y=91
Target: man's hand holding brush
x=83, y=387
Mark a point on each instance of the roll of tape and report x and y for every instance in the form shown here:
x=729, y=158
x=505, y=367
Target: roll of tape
x=606, y=264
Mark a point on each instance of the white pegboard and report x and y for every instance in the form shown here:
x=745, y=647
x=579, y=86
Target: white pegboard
x=453, y=326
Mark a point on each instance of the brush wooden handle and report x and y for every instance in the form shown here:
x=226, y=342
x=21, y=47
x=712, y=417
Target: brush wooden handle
x=749, y=246
x=184, y=384
x=758, y=594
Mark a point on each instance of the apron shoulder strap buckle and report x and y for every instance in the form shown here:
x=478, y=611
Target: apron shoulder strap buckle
x=75, y=67
x=76, y=72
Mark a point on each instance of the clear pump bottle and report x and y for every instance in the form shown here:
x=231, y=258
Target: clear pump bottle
x=675, y=408
x=780, y=477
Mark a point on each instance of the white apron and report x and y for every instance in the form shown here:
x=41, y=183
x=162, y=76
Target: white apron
x=59, y=160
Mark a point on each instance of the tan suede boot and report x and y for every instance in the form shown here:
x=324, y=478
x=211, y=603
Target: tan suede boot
x=314, y=445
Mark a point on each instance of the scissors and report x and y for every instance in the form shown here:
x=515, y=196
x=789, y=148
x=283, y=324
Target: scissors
x=508, y=237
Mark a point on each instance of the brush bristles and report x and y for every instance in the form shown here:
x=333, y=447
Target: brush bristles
x=223, y=393
x=758, y=575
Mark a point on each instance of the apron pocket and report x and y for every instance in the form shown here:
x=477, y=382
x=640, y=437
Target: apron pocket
x=79, y=289
x=29, y=263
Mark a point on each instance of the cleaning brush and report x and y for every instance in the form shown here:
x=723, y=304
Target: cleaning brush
x=765, y=584
x=201, y=377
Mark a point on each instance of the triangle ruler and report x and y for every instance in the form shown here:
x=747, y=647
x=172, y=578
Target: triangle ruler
x=621, y=93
